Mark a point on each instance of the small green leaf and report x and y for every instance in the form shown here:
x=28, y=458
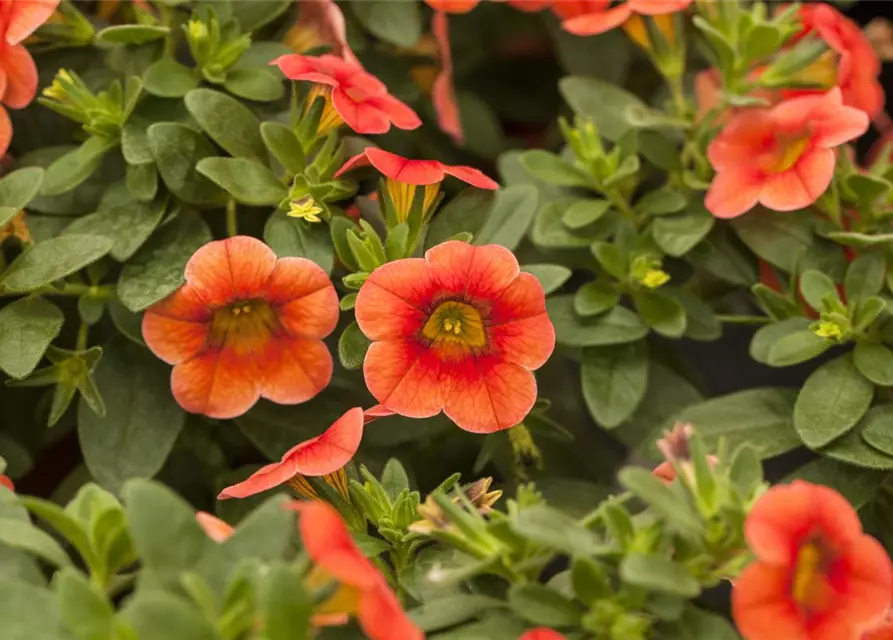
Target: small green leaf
x=595, y=298
x=135, y=145
x=780, y=238
x=582, y=213
x=73, y=168
x=228, y=122
x=452, y=610
x=511, y=216
x=142, y=181
x=286, y=606
x=177, y=149
x=132, y=34
x=875, y=362
x=858, y=485
x=352, y=347
x=27, y=327
x=551, y=169
x=260, y=85
x=540, y=605
x=29, y=612
x=86, y=611
x=127, y=225
x=877, y=428
x=816, y=287
x=766, y=336
x=557, y=530
x=394, y=479
x=865, y=276
x=551, y=276
x=22, y=535
x=550, y=233
x=284, y=145
x=17, y=189
x=398, y=23
x=831, y=402
x=167, y=78
x=606, y=104
x=676, y=235
x=52, y=260
x=290, y=237
x=661, y=312
x=796, y=347
x=464, y=213
x=248, y=181
x=614, y=380
x=157, y=615
x=659, y=573
x=855, y=450
x=610, y=258
x=661, y=202
x=618, y=326
x=662, y=500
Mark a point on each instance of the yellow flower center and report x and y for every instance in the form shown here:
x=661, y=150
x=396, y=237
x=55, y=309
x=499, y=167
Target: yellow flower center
x=808, y=587
x=337, y=480
x=789, y=152
x=302, y=38
x=654, y=278
x=637, y=30
x=330, y=119
x=198, y=30
x=829, y=330
x=456, y=323
x=402, y=196
x=245, y=325
x=822, y=73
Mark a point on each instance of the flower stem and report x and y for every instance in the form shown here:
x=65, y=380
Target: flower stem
x=744, y=319
x=232, y=223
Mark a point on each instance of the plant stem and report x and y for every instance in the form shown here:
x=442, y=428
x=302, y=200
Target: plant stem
x=232, y=223
x=83, y=330
x=744, y=319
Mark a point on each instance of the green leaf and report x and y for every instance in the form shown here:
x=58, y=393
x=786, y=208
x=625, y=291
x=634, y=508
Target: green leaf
x=177, y=149
x=780, y=238
x=874, y=361
x=556, y=530
x=582, y=213
x=796, y=347
x=540, y=605
x=132, y=34
x=264, y=534
x=157, y=268
x=610, y=258
x=614, y=380
x=659, y=573
x=595, y=298
x=62, y=522
x=135, y=145
x=291, y=237
x=831, y=402
x=22, y=535
x=452, y=610
x=719, y=255
x=551, y=169
x=52, y=260
x=766, y=336
x=27, y=327
x=661, y=312
x=127, y=225
x=86, y=611
x=816, y=287
x=607, y=104
x=865, y=276
x=29, y=612
x=549, y=231
x=248, y=181
x=284, y=145
x=701, y=322
x=661, y=202
x=877, y=428
x=142, y=420
x=17, y=189
x=394, y=479
x=701, y=625
x=856, y=484
x=352, y=347
x=73, y=168
x=670, y=506
x=676, y=235
x=464, y=213
x=260, y=85
x=618, y=326
x=258, y=13
x=156, y=615
x=761, y=417
x=550, y=276
x=590, y=580
x=510, y=217
x=228, y=122
x=142, y=181
x=398, y=23
x=855, y=450
x=286, y=606
x=861, y=240
x=167, y=78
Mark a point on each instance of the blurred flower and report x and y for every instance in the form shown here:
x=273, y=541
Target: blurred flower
x=816, y=576
x=530, y=6
x=353, y=96
x=404, y=175
x=6, y=482
x=458, y=331
x=305, y=209
x=596, y=16
x=879, y=33
x=320, y=23
x=325, y=455
x=781, y=157
x=882, y=631
x=363, y=590
x=443, y=93
x=541, y=633
x=18, y=73
x=478, y=494
x=674, y=447
x=214, y=527
x=16, y=228
x=452, y=6
x=244, y=325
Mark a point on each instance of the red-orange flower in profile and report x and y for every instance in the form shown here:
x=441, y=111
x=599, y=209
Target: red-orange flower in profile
x=816, y=576
x=443, y=93
x=782, y=157
x=452, y=6
x=320, y=23
x=326, y=455
x=6, y=482
x=457, y=331
x=595, y=16
x=18, y=73
x=244, y=326
x=364, y=591
x=353, y=96
x=530, y=6
x=214, y=527
x=541, y=633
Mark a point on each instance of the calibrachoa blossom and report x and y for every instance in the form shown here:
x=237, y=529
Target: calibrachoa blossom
x=541, y=633
x=364, y=592
x=320, y=23
x=353, y=96
x=882, y=631
x=325, y=455
x=782, y=157
x=443, y=93
x=457, y=331
x=404, y=175
x=452, y=6
x=593, y=17
x=244, y=326
x=6, y=482
x=816, y=576
x=18, y=73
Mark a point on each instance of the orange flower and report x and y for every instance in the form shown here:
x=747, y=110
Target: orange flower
x=782, y=157
x=244, y=325
x=593, y=17
x=443, y=93
x=320, y=23
x=6, y=482
x=364, y=591
x=452, y=6
x=325, y=455
x=817, y=576
x=214, y=527
x=530, y=6
x=457, y=331
x=882, y=631
x=541, y=633
x=18, y=73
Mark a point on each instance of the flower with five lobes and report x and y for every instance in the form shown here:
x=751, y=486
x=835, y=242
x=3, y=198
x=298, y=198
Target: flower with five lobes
x=457, y=331
x=782, y=157
x=244, y=325
x=586, y=18
x=404, y=175
x=18, y=73
x=817, y=576
x=352, y=95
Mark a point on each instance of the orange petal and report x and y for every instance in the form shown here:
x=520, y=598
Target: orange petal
x=5, y=131
x=216, y=383
x=21, y=77
x=732, y=193
x=837, y=127
x=541, y=633
x=405, y=378
x=486, y=395
x=598, y=22
x=748, y=134
x=800, y=186
x=762, y=606
x=6, y=482
x=233, y=269
x=417, y=172
x=870, y=581
x=472, y=176
x=294, y=369
x=214, y=527
x=174, y=340
x=658, y=7
x=443, y=94
x=359, y=115
x=528, y=342
x=452, y=6
x=329, y=19
x=399, y=113
x=382, y=618
x=523, y=298
x=480, y=273
x=306, y=301
x=24, y=16
x=392, y=303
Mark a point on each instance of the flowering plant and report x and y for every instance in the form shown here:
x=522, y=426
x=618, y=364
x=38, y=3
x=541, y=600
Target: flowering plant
x=521, y=319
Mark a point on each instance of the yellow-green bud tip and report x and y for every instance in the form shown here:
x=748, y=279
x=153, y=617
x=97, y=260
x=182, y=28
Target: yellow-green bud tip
x=828, y=330
x=197, y=29
x=654, y=278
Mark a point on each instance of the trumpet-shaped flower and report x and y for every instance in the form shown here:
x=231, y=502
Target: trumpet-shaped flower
x=816, y=576
x=443, y=92
x=597, y=16
x=781, y=157
x=244, y=326
x=352, y=95
x=18, y=73
x=457, y=331
x=320, y=23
